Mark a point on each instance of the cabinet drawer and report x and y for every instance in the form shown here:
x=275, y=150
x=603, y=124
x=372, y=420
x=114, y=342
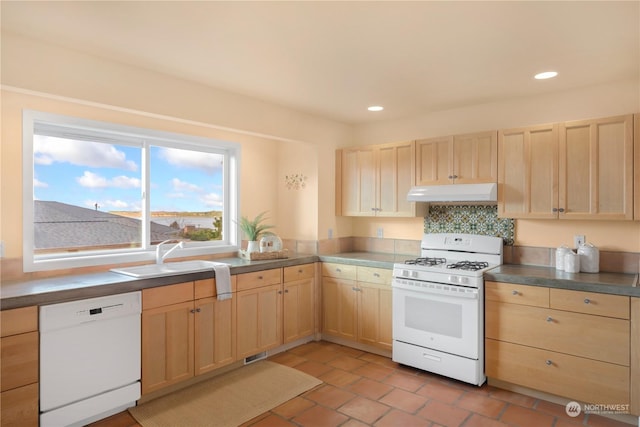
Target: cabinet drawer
x=590, y=303
x=259, y=279
x=19, y=407
x=573, y=377
x=517, y=294
x=206, y=288
x=167, y=295
x=380, y=276
x=594, y=337
x=19, y=364
x=339, y=271
x=18, y=321
x=299, y=272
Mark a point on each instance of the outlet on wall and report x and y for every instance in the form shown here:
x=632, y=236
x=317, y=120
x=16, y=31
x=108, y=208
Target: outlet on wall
x=380, y=233
x=578, y=240
x=330, y=233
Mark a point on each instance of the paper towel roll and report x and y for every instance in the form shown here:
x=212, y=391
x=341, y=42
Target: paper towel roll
x=560, y=254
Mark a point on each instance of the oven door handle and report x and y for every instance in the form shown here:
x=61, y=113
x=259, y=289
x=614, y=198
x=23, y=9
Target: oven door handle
x=444, y=291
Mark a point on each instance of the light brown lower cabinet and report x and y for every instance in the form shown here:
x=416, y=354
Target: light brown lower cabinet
x=186, y=331
x=19, y=349
x=356, y=304
x=298, y=302
x=275, y=306
x=573, y=344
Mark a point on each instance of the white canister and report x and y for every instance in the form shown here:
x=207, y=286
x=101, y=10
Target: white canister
x=560, y=254
x=589, y=258
x=572, y=262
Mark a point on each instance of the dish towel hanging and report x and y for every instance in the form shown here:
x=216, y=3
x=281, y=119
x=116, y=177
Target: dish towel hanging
x=223, y=280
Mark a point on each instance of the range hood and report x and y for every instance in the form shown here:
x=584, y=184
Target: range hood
x=454, y=193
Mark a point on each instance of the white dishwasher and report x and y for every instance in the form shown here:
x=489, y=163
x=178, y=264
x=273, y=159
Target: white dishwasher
x=89, y=359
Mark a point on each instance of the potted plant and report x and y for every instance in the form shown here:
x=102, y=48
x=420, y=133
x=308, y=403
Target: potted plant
x=254, y=229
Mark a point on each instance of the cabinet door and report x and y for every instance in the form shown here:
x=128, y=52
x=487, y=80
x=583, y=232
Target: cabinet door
x=339, y=308
x=433, y=161
x=596, y=169
x=395, y=178
x=475, y=158
x=528, y=172
x=167, y=345
x=374, y=315
x=359, y=181
x=259, y=320
x=298, y=309
x=214, y=334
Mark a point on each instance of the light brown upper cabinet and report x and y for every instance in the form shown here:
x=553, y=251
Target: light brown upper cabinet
x=573, y=170
x=636, y=168
x=374, y=180
x=596, y=169
x=528, y=172
x=460, y=159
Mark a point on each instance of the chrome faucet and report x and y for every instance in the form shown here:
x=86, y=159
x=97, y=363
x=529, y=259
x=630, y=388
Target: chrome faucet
x=160, y=256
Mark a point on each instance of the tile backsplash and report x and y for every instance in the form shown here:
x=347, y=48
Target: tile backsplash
x=470, y=219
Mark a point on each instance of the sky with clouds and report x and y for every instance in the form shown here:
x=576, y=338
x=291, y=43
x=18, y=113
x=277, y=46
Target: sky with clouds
x=84, y=173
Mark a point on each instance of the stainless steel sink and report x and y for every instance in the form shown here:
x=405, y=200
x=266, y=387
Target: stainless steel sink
x=165, y=269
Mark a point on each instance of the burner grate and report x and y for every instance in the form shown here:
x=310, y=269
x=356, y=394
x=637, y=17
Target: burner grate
x=468, y=265
x=426, y=261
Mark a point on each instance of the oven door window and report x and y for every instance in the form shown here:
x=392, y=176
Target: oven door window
x=438, y=317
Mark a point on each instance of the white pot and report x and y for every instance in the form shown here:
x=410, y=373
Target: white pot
x=253, y=246
x=589, y=258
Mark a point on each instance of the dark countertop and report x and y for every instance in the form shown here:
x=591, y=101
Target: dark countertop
x=366, y=259
x=67, y=288
x=606, y=283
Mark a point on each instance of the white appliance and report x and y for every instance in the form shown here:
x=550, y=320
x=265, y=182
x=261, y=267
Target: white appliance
x=89, y=359
x=438, y=305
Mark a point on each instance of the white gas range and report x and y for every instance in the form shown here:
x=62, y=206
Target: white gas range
x=438, y=305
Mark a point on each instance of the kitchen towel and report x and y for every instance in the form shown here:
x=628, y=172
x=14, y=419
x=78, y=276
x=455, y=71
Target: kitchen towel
x=223, y=280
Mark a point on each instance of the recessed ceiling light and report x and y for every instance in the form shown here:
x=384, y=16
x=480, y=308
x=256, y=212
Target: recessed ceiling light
x=546, y=75
x=375, y=108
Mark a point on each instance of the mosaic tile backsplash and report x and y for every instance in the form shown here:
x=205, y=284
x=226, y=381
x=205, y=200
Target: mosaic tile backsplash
x=470, y=219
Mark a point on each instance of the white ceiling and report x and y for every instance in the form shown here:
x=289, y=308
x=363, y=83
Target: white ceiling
x=333, y=59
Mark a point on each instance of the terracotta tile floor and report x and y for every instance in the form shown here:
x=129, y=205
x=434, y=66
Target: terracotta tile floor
x=363, y=389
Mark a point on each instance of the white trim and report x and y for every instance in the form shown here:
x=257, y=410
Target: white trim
x=143, y=138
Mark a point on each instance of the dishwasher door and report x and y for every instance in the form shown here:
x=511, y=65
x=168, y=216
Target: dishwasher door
x=89, y=358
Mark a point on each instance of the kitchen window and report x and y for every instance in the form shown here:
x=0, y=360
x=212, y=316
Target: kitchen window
x=99, y=193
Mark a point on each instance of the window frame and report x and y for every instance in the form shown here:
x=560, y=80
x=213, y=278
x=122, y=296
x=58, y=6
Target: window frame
x=132, y=136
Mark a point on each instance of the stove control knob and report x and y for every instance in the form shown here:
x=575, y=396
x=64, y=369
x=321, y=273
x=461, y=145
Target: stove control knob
x=414, y=274
x=454, y=279
x=464, y=280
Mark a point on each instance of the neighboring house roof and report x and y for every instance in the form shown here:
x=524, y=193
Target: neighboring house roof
x=59, y=225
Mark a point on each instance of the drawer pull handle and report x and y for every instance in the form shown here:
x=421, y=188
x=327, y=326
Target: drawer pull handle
x=260, y=277
x=587, y=301
x=549, y=319
x=514, y=292
x=286, y=291
x=376, y=274
x=300, y=271
x=338, y=270
x=280, y=292
x=548, y=362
